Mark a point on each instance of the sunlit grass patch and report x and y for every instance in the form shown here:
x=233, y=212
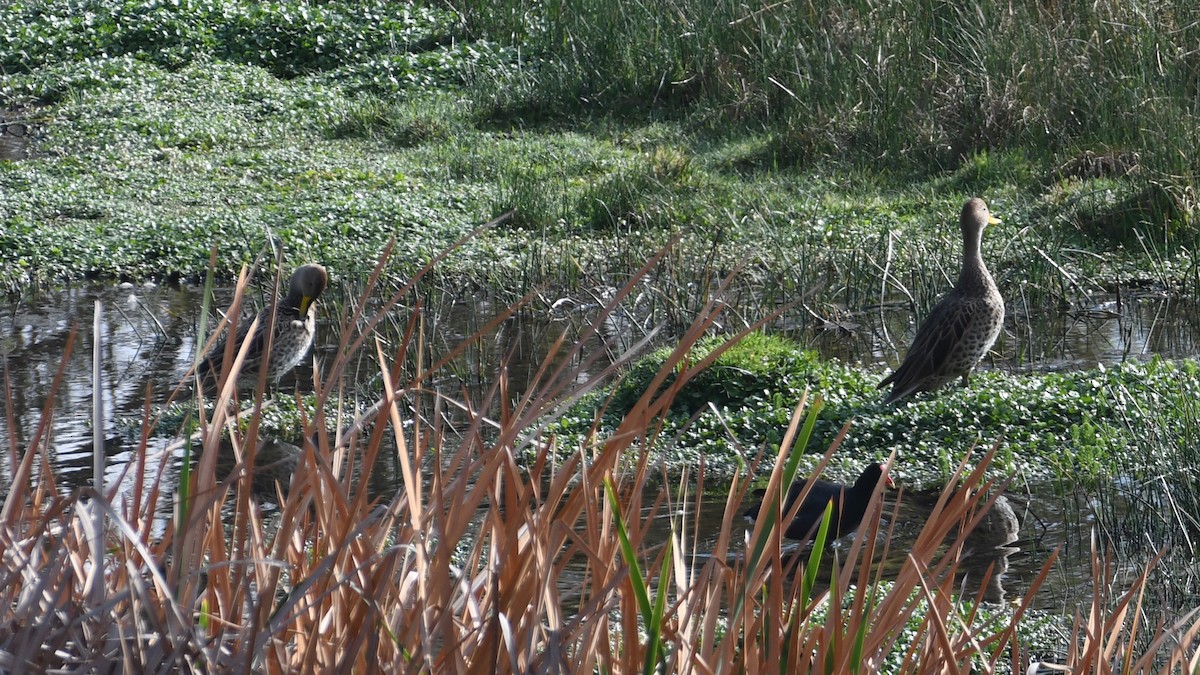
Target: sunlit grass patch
x=1084, y=424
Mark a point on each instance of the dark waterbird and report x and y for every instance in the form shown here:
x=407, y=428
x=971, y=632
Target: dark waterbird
x=295, y=324
x=962, y=327
x=849, y=504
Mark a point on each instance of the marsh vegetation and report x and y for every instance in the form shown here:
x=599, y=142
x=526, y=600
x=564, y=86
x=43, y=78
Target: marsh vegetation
x=715, y=180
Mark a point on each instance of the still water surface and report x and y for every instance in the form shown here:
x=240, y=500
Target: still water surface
x=149, y=338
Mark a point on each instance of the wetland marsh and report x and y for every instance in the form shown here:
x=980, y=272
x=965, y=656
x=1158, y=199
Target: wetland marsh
x=793, y=179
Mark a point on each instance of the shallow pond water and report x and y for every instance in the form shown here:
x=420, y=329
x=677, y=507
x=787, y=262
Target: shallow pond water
x=1045, y=521
x=149, y=334
x=15, y=134
x=1105, y=330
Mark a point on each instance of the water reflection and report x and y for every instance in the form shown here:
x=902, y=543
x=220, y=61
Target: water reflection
x=1107, y=330
x=994, y=562
x=15, y=136
x=143, y=352
x=149, y=340
x=987, y=549
x=149, y=335
x=999, y=560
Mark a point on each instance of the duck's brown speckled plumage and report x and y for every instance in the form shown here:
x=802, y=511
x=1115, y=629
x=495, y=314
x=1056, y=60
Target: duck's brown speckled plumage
x=295, y=325
x=962, y=327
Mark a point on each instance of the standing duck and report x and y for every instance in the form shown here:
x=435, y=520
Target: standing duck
x=849, y=504
x=962, y=327
x=295, y=324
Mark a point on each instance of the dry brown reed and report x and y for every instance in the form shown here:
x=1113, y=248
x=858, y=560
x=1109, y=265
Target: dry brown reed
x=489, y=562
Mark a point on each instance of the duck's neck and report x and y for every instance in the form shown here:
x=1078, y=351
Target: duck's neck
x=857, y=498
x=973, y=269
x=290, y=305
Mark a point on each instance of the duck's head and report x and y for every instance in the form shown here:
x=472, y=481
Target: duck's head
x=307, y=284
x=976, y=216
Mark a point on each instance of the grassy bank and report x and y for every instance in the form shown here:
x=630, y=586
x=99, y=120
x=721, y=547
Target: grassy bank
x=1076, y=428
x=819, y=153
x=161, y=129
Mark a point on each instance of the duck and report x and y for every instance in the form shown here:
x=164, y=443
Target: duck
x=850, y=504
x=988, y=546
x=295, y=326
x=999, y=527
x=962, y=326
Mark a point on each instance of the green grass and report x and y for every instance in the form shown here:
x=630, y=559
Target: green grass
x=919, y=86
x=160, y=118
x=228, y=154
x=1080, y=428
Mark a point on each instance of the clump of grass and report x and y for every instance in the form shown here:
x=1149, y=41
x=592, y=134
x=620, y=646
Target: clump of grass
x=406, y=124
x=483, y=563
x=645, y=194
x=922, y=90
x=929, y=85
x=1082, y=424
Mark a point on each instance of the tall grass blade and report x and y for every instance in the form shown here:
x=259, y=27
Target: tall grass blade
x=654, y=648
x=814, y=556
x=95, y=516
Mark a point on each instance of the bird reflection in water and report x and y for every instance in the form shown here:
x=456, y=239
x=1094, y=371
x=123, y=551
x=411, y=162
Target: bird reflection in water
x=990, y=545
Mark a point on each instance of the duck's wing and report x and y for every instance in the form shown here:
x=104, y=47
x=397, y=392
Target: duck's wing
x=210, y=366
x=812, y=511
x=936, y=340
x=814, y=504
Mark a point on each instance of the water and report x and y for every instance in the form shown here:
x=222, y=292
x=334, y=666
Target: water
x=1106, y=330
x=149, y=337
x=15, y=134
x=1043, y=522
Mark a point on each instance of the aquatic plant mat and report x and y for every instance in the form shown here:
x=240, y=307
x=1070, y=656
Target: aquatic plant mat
x=483, y=564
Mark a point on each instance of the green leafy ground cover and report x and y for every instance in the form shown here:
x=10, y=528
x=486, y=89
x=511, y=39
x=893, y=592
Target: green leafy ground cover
x=165, y=128
x=1129, y=420
x=168, y=126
